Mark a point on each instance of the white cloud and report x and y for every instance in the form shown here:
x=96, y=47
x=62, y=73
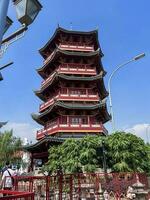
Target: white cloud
x=22, y=130
x=141, y=130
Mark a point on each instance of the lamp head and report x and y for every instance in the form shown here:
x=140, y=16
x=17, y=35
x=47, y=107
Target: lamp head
x=139, y=56
x=27, y=10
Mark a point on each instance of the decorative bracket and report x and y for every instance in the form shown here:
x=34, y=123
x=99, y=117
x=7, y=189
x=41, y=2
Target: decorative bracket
x=12, y=38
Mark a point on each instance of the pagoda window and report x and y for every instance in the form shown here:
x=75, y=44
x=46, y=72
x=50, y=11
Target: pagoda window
x=77, y=92
x=78, y=120
x=75, y=120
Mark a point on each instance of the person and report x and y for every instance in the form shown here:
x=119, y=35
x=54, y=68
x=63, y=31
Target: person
x=7, y=180
x=5, y=167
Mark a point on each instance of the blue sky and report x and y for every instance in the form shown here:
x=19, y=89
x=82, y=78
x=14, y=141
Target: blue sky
x=124, y=32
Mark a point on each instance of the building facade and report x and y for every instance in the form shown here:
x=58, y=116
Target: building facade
x=72, y=91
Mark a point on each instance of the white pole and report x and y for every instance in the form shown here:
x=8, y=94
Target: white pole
x=109, y=85
x=3, y=14
x=147, y=135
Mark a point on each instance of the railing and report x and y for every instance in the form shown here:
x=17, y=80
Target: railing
x=72, y=124
x=72, y=68
x=71, y=94
x=15, y=195
x=76, y=46
x=76, y=186
x=73, y=46
x=76, y=68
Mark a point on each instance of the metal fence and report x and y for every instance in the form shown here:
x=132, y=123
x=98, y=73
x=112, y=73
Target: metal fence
x=91, y=186
x=15, y=195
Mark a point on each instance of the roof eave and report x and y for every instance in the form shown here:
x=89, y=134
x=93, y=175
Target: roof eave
x=69, y=32
x=38, y=93
x=57, y=50
x=40, y=142
x=37, y=117
x=66, y=77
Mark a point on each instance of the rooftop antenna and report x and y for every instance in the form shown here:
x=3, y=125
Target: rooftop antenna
x=71, y=26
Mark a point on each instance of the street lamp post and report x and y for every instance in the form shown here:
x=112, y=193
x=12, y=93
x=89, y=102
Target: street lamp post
x=104, y=157
x=3, y=14
x=27, y=11
x=109, y=84
x=147, y=135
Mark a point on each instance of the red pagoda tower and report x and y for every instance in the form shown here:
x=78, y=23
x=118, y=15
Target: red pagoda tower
x=73, y=91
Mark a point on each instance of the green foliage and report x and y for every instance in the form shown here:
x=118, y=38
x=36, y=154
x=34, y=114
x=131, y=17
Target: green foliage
x=9, y=145
x=124, y=152
x=74, y=155
x=127, y=152
x=70, y=156
x=90, y=156
x=55, y=159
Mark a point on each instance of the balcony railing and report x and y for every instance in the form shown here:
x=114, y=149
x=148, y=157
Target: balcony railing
x=76, y=68
x=71, y=94
x=72, y=124
x=76, y=46
x=72, y=68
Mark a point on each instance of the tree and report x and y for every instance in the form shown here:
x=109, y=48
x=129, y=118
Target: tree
x=127, y=153
x=74, y=155
x=71, y=156
x=54, y=160
x=9, y=148
x=124, y=152
x=91, y=155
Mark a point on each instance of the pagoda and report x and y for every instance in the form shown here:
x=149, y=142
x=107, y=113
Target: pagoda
x=72, y=90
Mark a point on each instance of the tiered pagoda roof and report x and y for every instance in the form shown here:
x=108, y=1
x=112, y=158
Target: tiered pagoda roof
x=64, y=33
x=58, y=52
x=73, y=90
x=57, y=76
x=39, y=118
